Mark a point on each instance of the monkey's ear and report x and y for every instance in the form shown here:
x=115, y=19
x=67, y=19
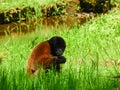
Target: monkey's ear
x=52, y=41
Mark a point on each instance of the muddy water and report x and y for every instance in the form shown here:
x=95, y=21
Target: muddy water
x=53, y=21
x=24, y=27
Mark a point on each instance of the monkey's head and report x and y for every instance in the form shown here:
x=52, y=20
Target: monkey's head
x=57, y=45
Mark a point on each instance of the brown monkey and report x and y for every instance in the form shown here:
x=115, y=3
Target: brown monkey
x=47, y=54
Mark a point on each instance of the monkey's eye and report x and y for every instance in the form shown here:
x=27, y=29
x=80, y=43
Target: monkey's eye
x=59, y=51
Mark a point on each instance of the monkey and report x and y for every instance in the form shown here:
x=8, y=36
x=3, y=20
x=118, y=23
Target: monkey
x=47, y=54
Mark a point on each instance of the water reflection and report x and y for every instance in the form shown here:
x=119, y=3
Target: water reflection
x=46, y=22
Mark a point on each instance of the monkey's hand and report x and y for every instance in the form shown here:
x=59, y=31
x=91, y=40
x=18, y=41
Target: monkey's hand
x=60, y=60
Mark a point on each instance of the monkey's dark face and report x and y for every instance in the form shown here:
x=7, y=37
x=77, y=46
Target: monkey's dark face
x=57, y=45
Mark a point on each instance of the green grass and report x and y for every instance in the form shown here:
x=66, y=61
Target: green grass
x=7, y=4
x=96, y=41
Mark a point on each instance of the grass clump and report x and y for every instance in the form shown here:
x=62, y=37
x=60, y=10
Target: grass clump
x=7, y=4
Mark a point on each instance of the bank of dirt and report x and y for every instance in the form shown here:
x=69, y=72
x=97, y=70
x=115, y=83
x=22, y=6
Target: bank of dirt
x=66, y=12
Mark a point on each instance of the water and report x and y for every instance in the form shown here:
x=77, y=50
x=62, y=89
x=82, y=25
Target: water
x=46, y=22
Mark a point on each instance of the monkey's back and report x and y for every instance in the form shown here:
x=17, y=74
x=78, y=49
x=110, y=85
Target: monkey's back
x=39, y=55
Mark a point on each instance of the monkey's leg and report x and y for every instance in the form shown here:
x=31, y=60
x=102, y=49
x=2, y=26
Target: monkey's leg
x=36, y=72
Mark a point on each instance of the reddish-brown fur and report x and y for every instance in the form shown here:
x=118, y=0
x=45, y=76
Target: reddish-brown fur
x=40, y=56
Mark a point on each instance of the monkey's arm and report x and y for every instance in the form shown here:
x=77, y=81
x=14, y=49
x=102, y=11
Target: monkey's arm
x=60, y=60
x=47, y=61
